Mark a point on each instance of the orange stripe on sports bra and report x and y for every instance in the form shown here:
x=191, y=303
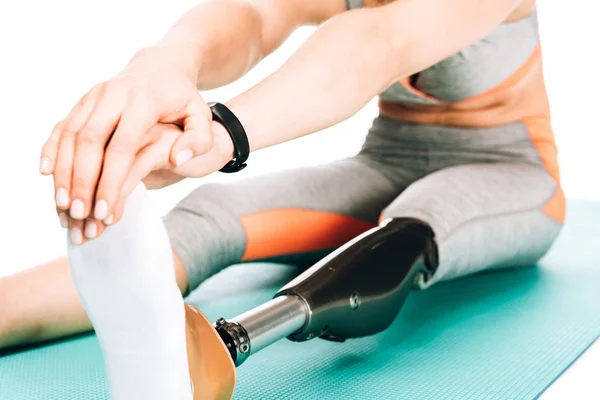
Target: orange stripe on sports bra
x=520, y=96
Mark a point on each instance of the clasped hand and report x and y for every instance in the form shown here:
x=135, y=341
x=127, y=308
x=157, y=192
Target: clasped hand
x=148, y=123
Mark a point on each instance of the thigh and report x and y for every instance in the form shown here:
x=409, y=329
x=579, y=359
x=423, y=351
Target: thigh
x=485, y=215
x=295, y=216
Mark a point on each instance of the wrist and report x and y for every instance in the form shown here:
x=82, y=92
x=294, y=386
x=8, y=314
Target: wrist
x=222, y=142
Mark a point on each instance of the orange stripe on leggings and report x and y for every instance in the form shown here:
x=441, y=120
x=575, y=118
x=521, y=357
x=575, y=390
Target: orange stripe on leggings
x=280, y=232
x=540, y=132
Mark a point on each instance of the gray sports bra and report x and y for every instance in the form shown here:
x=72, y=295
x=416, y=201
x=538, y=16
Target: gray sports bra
x=473, y=70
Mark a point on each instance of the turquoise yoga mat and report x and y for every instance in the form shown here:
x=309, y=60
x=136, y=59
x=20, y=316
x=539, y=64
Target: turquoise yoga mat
x=501, y=335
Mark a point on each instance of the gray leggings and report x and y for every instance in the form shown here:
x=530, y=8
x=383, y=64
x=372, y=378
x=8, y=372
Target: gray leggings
x=483, y=191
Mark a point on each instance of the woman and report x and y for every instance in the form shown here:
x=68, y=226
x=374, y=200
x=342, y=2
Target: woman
x=463, y=142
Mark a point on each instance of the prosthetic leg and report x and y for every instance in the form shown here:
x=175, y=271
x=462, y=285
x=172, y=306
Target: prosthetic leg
x=356, y=291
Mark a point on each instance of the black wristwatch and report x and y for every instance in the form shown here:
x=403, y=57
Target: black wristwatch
x=225, y=117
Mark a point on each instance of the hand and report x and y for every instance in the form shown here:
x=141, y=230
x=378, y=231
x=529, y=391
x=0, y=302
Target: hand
x=92, y=151
x=152, y=166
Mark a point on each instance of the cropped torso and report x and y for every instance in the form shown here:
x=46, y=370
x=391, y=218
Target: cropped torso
x=494, y=81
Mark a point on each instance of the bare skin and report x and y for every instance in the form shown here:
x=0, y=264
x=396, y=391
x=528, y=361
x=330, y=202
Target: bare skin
x=42, y=303
x=395, y=41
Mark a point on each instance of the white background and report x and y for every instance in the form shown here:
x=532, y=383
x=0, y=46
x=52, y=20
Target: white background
x=52, y=52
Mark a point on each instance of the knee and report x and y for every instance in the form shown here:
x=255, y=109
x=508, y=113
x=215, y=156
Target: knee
x=205, y=233
x=211, y=209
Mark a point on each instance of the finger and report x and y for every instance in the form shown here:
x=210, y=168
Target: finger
x=152, y=157
x=73, y=122
x=63, y=169
x=93, y=228
x=50, y=150
x=63, y=218
x=120, y=155
x=76, y=232
x=155, y=133
x=76, y=118
x=117, y=214
x=197, y=138
x=63, y=165
x=89, y=153
x=80, y=114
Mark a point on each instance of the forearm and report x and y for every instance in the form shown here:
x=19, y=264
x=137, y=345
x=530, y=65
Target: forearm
x=341, y=67
x=218, y=41
x=355, y=56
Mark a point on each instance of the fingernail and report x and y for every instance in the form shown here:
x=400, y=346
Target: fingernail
x=45, y=165
x=101, y=210
x=91, y=229
x=183, y=156
x=62, y=198
x=77, y=209
x=76, y=237
x=64, y=220
x=109, y=220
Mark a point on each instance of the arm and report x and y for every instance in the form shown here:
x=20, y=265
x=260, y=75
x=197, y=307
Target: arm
x=91, y=151
x=218, y=41
x=356, y=55
x=42, y=303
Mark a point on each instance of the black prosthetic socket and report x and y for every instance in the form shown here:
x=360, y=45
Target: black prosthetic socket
x=356, y=291
x=359, y=289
